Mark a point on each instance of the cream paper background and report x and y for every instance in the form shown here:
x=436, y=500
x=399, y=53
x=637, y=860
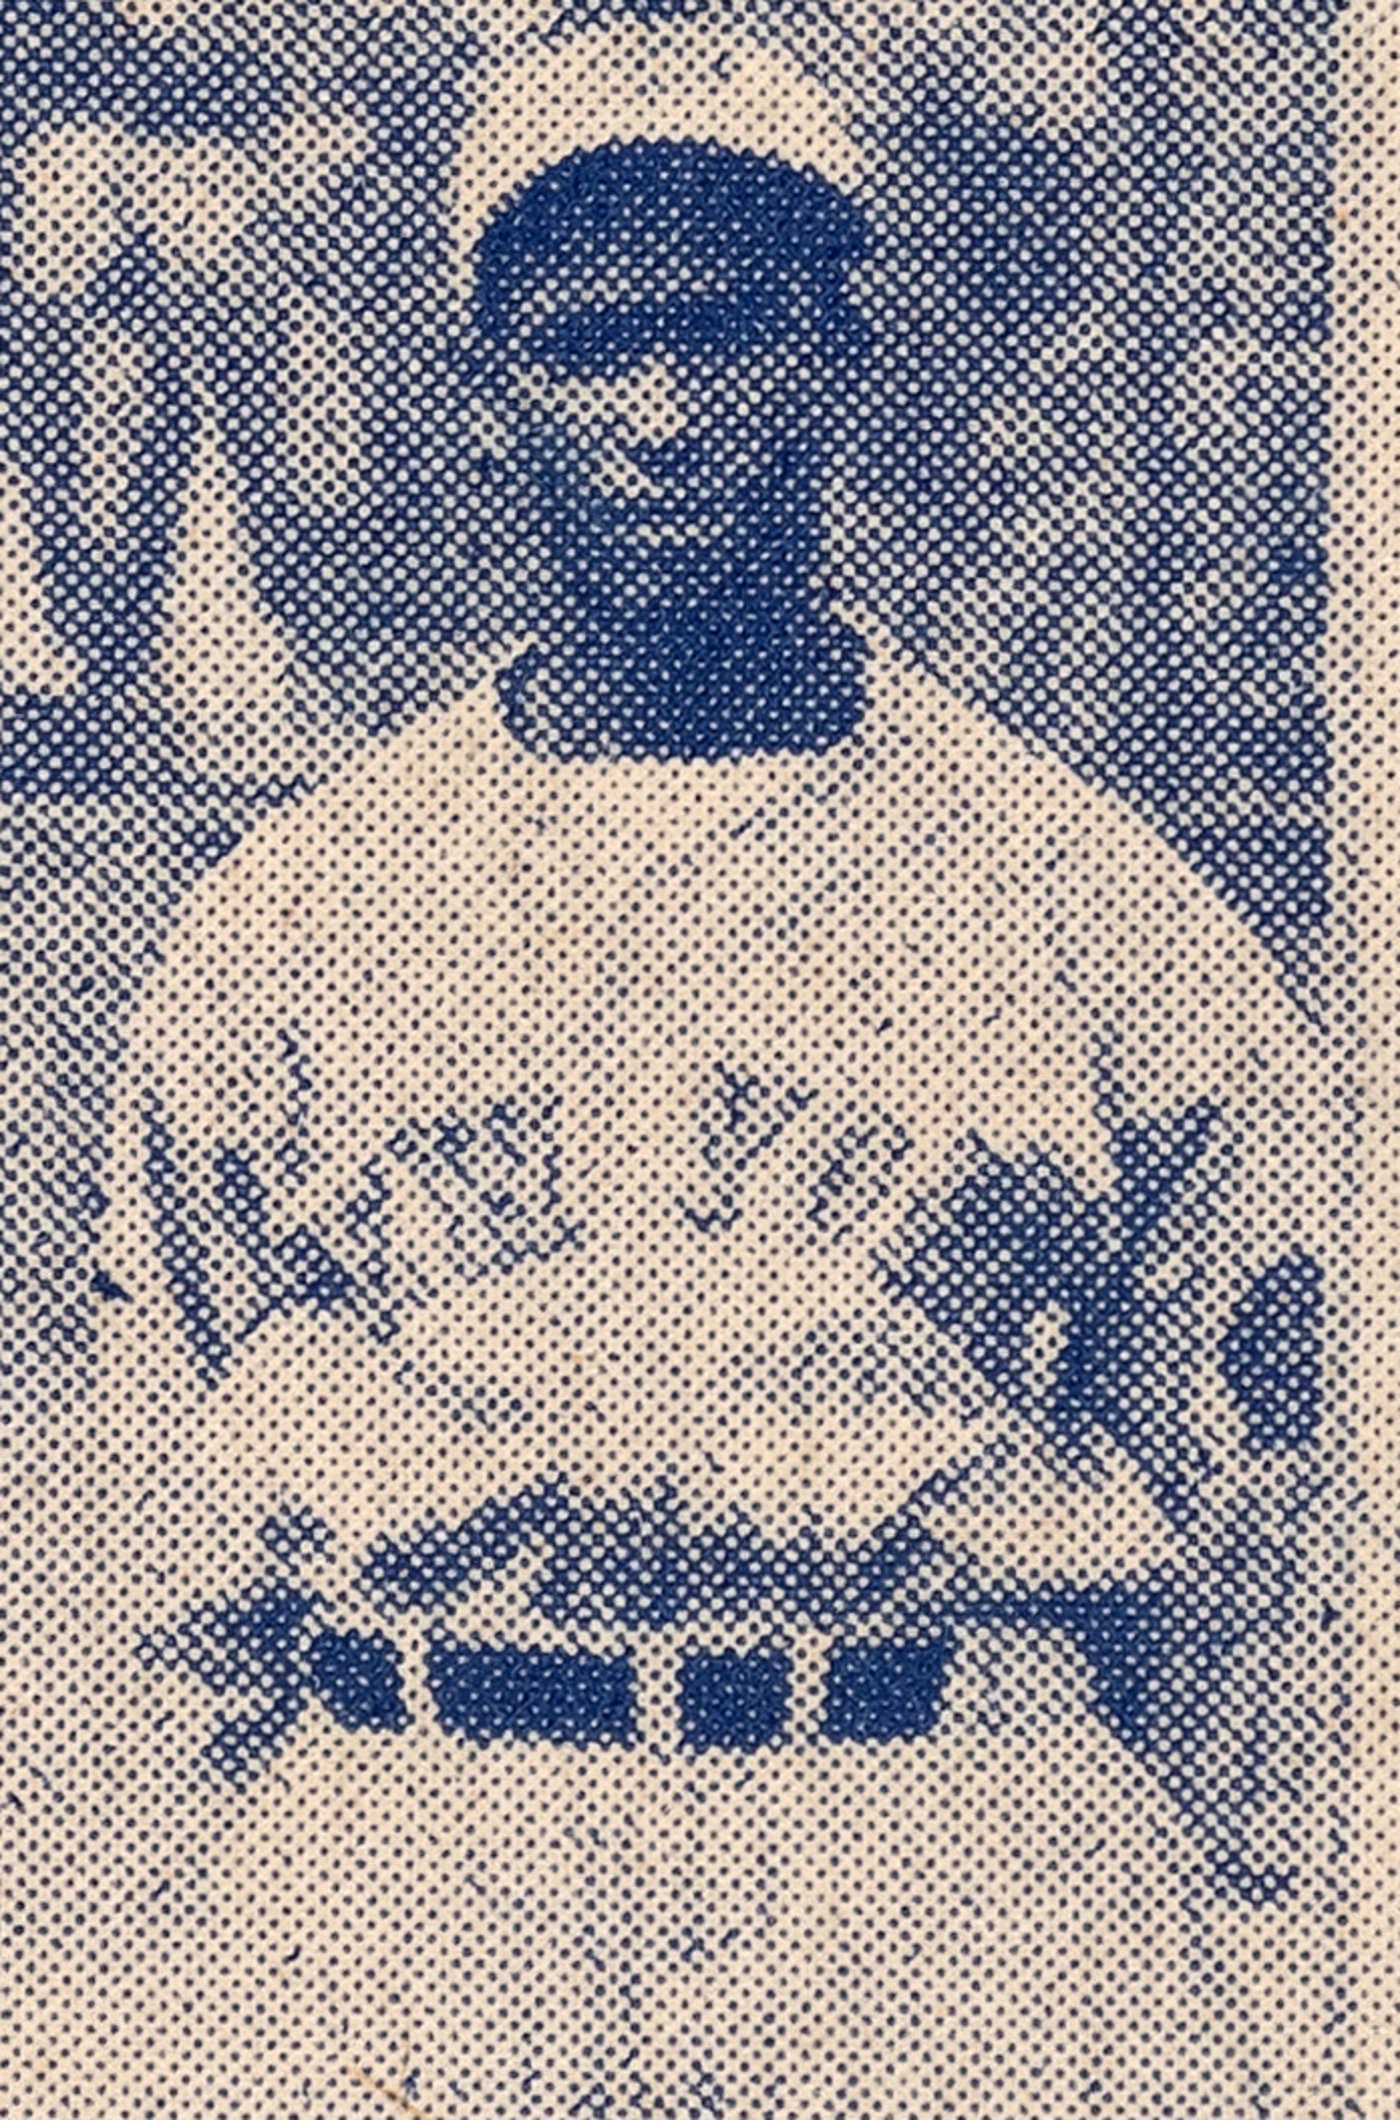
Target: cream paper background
x=1365, y=543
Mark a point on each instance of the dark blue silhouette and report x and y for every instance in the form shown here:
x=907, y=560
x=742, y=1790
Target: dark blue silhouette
x=672, y=322
x=551, y=1694
x=734, y=1700
x=882, y=1690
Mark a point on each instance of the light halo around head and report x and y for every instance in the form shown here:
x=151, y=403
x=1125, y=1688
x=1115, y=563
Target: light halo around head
x=629, y=83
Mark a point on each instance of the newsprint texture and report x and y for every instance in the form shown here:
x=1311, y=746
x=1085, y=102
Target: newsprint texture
x=700, y=1135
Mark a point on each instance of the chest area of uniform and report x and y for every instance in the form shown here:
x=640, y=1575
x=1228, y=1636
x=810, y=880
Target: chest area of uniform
x=680, y=1149
x=829, y=931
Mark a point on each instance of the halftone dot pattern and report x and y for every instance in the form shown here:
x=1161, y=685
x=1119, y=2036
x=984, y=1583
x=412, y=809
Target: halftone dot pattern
x=679, y=1134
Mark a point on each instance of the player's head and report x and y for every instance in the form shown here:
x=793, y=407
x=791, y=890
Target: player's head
x=670, y=312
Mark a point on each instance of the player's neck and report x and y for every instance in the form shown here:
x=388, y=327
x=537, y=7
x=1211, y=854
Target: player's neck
x=749, y=670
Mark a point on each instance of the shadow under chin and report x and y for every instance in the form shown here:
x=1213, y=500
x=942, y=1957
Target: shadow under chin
x=741, y=672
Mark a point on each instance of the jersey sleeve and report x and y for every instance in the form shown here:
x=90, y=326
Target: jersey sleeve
x=1154, y=1325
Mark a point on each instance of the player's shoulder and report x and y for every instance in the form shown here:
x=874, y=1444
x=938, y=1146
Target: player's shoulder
x=1120, y=908
x=309, y=885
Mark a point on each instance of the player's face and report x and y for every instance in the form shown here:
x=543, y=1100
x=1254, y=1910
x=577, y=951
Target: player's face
x=672, y=421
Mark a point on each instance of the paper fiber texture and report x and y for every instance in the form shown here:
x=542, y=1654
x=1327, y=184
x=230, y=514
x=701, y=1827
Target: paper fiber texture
x=699, y=1320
